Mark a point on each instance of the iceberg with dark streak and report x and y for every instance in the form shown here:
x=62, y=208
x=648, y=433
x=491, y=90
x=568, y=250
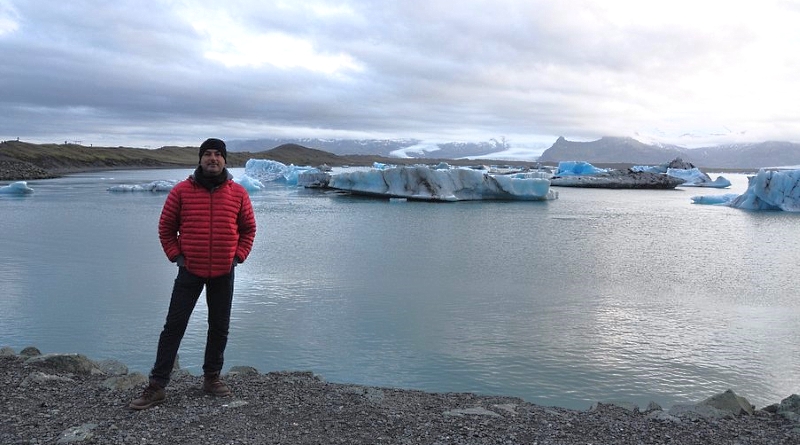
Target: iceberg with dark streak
x=767, y=190
x=444, y=184
x=691, y=175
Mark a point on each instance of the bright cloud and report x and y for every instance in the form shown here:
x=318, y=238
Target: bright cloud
x=9, y=19
x=234, y=46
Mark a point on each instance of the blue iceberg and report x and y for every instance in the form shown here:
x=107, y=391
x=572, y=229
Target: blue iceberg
x=577, y=168
x=16, y=188
x=266, y=170
x=250, y=184
x=691, y=175
x=767, y=190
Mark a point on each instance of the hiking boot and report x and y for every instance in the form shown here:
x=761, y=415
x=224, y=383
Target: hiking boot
x=151, y=396
x=213, y=385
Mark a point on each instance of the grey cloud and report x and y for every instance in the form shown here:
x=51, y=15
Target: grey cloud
x=429, y=68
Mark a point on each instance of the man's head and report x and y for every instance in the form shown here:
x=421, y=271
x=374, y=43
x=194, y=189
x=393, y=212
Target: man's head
x=213, y=156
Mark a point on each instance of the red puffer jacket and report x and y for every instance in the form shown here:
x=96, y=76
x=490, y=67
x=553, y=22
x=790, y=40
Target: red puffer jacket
x=209, y=228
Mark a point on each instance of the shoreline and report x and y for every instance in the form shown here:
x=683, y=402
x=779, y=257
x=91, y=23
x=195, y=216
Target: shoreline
x=68, y=398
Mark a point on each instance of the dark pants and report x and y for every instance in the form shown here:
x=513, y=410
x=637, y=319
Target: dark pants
x=186, y=291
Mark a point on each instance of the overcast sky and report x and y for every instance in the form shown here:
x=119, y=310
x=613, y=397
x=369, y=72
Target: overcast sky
x=154, y=73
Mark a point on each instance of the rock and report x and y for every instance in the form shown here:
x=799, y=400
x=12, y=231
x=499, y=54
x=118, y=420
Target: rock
x=112, y=367
x=680, y=164
x=73, y=363
x=663, y=416
x=7, y=351
x=791, y=403
x=724, y=405
x=38, y=377
x=125, y=382
x=790, y=408
x=653, y=406
x=30, y=351
x=729, y=401
x=243, y=370
x=13, y=170
x=627, y=406
x=694, y=412
x=619, y=179
x=78, y=433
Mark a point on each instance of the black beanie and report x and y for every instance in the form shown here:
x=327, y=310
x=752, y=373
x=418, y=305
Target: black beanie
x=214, y=144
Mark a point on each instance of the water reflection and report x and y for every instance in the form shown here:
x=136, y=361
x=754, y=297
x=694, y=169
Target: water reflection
x=599, y=295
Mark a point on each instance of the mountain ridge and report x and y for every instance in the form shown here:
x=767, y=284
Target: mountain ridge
x=629, y=150
x=606, y=150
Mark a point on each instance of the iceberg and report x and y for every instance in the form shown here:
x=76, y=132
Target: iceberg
x=444, y=184
x=266, y=170
x=691, y=175
x=767, y=190
x=16, y=188
x=155, y=186
x=586, y=175
x=575, y=168
x=696, y=178
x=250, y=184
x=715, y=199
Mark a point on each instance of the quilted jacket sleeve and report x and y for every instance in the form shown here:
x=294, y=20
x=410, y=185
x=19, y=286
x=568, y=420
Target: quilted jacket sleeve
x=169, y=223
x=247, y=227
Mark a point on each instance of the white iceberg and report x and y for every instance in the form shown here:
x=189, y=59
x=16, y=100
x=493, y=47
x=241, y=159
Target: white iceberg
x=16, y=188
x=155, y=186
x=696, y=178
x=165, y=185
x=452, y=184
x=767, y=190
x=724, y=199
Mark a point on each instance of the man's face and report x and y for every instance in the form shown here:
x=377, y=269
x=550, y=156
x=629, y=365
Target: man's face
x=212, y=162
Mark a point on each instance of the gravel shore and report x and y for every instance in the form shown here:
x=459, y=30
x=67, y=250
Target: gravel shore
x=50, y=401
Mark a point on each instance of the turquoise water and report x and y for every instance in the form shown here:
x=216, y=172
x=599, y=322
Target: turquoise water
x=601, y=295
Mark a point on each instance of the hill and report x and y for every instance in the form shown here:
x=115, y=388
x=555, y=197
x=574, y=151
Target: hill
x=26, y=161
x=376, y=147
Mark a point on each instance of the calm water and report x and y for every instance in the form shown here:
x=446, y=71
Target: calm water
x=600, y=295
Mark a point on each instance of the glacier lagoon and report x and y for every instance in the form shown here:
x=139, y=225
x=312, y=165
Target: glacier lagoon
x=600, y=295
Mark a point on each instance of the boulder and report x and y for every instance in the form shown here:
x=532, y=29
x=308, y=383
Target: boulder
x=39, y=378
x=71, y=363
x=126, y=382
x=112, y=367
x=30, y=351
x=243, y=370
x=730, y=402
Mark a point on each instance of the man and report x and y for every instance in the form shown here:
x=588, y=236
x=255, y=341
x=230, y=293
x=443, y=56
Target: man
x=206, y=227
